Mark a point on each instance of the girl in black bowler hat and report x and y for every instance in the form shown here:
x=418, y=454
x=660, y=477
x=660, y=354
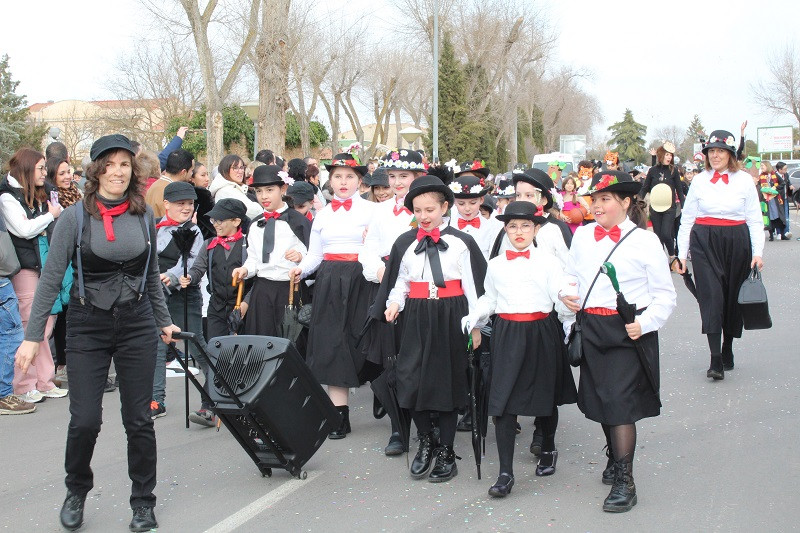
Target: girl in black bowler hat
x=722, y=230
x=219, y=257
x=117, y=302
x=522, y=287
x=433, y=278
x=341, y=294
x=618, y=384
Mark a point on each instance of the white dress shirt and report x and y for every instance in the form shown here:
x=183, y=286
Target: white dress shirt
x=415, y=267
x=278, y=267
x=384, y=228
x=735, y=200
x=522, y=285
x=337, y=232
x=549, y=239
x=642, y=272
x=484, y=235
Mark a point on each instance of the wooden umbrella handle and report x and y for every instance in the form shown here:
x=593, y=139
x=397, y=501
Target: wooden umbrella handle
x=239, y=295
x=291, y=292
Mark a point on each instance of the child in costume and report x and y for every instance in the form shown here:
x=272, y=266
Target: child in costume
x=276, y=243
x=390, y=220
x=505, y=192
x=302, y=196
x=469, y=186
x=218, y=258
x=618, y=384
x=341, y=294
x=179, y=197
x=434, y=277
x=522, y=287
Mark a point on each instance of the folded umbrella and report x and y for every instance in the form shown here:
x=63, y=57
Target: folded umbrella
x=687, y=278
x=474, y=389
x=235, y=320
x=291, y=327
x=385, y=389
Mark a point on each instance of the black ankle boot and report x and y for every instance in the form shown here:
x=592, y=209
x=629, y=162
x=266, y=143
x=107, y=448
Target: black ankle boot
x=422, y=461
x=547, y=463
x=727, y=358
x=536, y=443
x=144, y=519
x=608, y=473
x=502, y=487
x=622, y=497
x=716, y=370
x=344, y=428
x=72, y=511
x=445, y=467
x=395, y=446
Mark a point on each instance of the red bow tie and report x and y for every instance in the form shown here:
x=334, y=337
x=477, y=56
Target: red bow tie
x=223, y=241
x=614, y=233
x=347, y=204
x=475, y=223
x=434, y=235
x=166, y=221
x=400, y=209
x=718, y=176
x=271, y=214
x=513, y=255
x=309, y=217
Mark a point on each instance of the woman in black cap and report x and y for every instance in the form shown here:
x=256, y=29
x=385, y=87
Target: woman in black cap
x=379, y=188
x=663, y=183
x=617, y=387
x=433, y=278
x=340, y=291
x=722, y=229
x=117, y=302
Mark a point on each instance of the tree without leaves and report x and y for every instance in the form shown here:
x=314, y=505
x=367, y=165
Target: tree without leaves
x=627, y=138
x=780, y=94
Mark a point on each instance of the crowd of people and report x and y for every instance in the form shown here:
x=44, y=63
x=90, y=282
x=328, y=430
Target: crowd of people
x=102, y=264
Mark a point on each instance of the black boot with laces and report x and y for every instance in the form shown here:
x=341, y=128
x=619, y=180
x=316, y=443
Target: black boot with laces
x=444, y=469
x=72, y=511
x=144, y=519
x=422, y=461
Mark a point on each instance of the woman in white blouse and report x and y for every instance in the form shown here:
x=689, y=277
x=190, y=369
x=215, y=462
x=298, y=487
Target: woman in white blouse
x=229, y=183
x=722, y=230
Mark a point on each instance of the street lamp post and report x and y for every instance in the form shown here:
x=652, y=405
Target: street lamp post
x=410, y=135
x=436, y=81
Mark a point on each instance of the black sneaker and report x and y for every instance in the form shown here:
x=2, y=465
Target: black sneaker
x=72, y=511
x=157, y=410
x=203, y=417
x=144, y=519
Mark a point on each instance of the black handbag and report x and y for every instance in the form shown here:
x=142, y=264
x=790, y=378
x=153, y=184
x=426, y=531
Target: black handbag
x=575, y=338
x=753, y=302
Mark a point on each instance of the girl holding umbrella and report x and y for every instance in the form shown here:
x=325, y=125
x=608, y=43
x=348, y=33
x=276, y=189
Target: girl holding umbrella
x=614, y=386
x=722, y=228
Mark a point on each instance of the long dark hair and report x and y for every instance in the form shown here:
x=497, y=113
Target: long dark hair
x=52, y=165
x=637, y=211
x=226, y=163
x=135, y=189
x=22, y=166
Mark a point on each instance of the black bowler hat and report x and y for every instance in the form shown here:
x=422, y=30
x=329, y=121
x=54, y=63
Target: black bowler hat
x=475, y=167
x=425, y=184
x=268, y=175
x=228, y=208
x=505, y=189
x=540, y=180
x=300, y=192
x=721, y=139
x=614, y=181
x=179, y=190
x=379, y=178
x=489, y=203
x=346, y=160
x=470, y=186
x=110, y=142
x=524, y=211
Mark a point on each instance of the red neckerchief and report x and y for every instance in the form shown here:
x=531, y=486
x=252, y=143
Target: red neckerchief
x=108, y=215
x=166, y=221
x=224, y=241
x=309, y=217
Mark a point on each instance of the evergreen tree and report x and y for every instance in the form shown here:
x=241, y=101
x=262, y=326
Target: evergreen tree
x=14, y=128
x=627, y=138
x=693, y=133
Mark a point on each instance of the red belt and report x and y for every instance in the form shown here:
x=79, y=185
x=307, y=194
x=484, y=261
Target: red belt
x=523, y=317
x=713, y=221
x=602, y=311
x=340, y=257
x=429, y=291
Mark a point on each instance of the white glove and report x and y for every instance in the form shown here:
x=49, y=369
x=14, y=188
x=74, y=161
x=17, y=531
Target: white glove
x=467, y=323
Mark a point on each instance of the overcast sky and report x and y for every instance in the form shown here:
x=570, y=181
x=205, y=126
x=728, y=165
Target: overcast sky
x=665, y=61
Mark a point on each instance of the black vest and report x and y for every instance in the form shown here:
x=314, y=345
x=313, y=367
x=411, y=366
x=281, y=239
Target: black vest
x=220, y=270
x=170, y=255
x=27, y=249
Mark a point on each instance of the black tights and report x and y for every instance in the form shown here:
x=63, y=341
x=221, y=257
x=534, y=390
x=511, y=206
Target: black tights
x=717, y=345
x=621, y=441
x=547, y=425
x=505, y=430
x=447, y=424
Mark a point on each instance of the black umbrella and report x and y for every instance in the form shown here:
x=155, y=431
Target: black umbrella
x=687, y=278
x=474, y=389
x=235, y=319
x=291, y=327
x=385, y=389
x=627, y=312
x=184, y=237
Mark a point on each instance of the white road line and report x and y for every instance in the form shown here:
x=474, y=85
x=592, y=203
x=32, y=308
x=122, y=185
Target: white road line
x=240, y=517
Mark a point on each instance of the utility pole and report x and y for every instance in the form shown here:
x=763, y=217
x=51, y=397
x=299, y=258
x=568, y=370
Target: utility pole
x=436, y=81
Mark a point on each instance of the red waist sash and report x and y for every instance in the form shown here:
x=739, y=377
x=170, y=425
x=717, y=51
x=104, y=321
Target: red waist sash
x=429, y=291
x=523, y=317
x=713, y=221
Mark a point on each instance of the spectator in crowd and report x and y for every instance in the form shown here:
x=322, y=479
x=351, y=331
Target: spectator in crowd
x=171, y=146
x=205, y=201
x=180, y=164
x=786, y=193
x=266, y=157
x=229, y=183
x=57, y=149
x=149, y=167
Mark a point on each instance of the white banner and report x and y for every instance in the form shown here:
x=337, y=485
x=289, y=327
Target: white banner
x=775, y=139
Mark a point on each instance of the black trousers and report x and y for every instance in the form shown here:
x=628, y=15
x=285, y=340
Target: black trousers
x=664, y=227
x=94, y=337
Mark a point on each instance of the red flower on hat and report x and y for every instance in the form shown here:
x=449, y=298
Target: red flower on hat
x=477, y=165
x=606, y=180
x=482, y=182
x=345, y=162
x=395, y=156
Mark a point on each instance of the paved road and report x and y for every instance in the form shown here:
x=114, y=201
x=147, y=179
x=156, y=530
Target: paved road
x=722, y=456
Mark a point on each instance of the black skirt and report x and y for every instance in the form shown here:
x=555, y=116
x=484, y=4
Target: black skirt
x=721, y=257
x=339, y=312
x=380, y=340
x=566, y=392
x=432, y=360
x=525, y=368
x=268, y=301
x=613, y=388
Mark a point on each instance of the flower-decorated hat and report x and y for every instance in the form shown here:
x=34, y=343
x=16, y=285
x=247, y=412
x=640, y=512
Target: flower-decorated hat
x=468, y=186
x=403, y=160
x=346, y=160
x=614, y=181
x=505, y=189
x=522, y=211
x=721, y=139
x=270, y=175
x=424, y=184
x=540, y=180
x=476, y=167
